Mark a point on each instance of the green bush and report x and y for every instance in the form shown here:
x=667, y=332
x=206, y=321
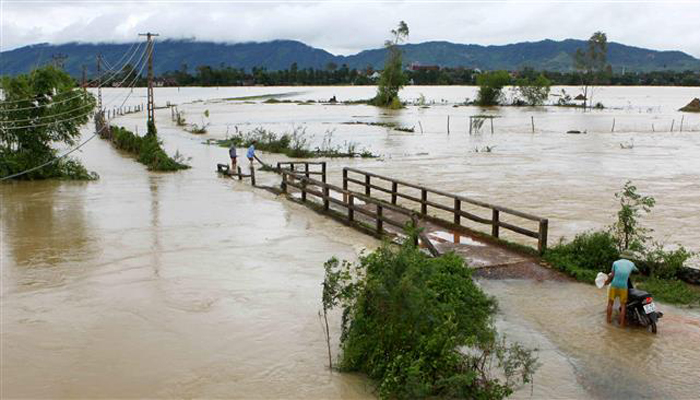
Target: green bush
x=664, y=264
x=65, y=168
x=421, y=327
x=490, y=87
x=147, y=149
x=585, y=256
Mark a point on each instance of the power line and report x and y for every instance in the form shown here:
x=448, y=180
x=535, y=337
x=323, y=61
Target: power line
x=133, y=81
x=114, y=73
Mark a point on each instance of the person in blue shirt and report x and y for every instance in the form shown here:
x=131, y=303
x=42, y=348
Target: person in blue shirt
x=621, y=270
x=251, y=153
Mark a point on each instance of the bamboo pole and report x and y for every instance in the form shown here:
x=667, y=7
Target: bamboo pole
x=613, y=126
x=448, y=124
x=532, y=121
x=681, y=127
x=673, y=121
x=421, y=127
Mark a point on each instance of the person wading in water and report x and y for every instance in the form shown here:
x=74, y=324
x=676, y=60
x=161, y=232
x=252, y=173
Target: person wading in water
x=621, y=270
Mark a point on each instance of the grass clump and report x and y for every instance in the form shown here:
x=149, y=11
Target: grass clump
x=672, y=291
x=421, y=327
x=585, y=256
x=147, y=149
x=293, y=145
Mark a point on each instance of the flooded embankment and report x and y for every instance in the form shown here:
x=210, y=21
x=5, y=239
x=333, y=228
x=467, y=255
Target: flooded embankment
x=189, y=285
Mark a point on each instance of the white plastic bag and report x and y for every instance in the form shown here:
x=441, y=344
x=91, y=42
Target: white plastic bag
x=600, y=279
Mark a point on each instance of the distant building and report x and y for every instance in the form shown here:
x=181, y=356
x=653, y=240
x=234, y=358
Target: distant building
x=415, y=66
x=375, y=75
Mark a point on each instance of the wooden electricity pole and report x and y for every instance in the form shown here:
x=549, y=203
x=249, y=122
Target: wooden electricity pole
x=149, y=49
x=59, y=60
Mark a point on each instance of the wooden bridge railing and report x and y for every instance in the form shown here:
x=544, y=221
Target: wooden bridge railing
x=369, y=182
x=345, y=199
x=296, y=166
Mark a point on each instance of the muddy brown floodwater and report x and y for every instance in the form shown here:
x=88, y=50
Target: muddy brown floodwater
x=189, y=285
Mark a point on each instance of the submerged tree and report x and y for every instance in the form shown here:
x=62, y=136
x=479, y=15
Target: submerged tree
x=591, y=63
x=491, y=87
x=40, y=110
x=533, y=91
x=393, y=77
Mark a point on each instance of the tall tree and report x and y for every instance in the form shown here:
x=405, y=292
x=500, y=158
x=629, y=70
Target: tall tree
x=591, y=63
x=393, y=77
x=39, y=110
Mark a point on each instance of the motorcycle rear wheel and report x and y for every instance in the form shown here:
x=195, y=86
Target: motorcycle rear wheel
x=652, y=327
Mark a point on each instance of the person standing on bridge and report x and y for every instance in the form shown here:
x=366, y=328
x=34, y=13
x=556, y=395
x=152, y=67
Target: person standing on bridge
x=251, y=153
x=621, y=270
x=232, y=153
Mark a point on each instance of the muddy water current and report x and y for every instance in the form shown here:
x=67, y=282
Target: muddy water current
x=189, y=285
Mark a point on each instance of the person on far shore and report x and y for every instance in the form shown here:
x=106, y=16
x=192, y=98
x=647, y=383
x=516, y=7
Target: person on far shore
x=621, y=270
x=232, y=153
x=251, y=153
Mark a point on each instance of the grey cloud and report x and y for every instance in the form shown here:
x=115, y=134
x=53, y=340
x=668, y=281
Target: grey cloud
x=348, y=27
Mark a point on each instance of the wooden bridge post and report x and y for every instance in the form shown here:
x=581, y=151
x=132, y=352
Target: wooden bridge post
x=495, y=219
x=323, y=172
x=303, y=189
x=345, y=185
x=423, y=203
x=351, y=205
x=542, y=242
x=252, y=174
x=240, y=176
x=306, y=167
x=284, y=182
x=326, y=195
x=394, y=190
x=380, y=224
x=367, y=183
x=458, y=209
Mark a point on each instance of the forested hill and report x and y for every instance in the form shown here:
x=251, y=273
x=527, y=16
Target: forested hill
x=171, y=55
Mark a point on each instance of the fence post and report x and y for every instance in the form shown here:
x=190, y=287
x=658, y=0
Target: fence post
x=542, y=242
x=423, y=204
x=326, y=194
x=380, y=225
x=323, y=172
x=495, y=219
x=303, y=189
x=351, y=205
x=345, y=185
x=532, y=120
x=252, y=174
x=306, y=167
x=240, y=178
x=394, y=189
x=284, y=182
x=367, y=183
x=458, y=209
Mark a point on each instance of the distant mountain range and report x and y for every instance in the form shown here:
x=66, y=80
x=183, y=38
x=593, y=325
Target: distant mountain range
x=171, y=55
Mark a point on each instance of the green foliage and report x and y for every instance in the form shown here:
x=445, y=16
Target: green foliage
x=585, y=256
x=591, y=63
x=41, y=110
x=672, y=291
x=147, y=149
x=491, y=86
x=664, y=264
x=533, y=92
x=393, y=77
x=627, y=230
x=293, y=145
x=421, y=327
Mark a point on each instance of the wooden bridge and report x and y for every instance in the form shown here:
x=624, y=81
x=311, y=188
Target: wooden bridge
x=383, y=206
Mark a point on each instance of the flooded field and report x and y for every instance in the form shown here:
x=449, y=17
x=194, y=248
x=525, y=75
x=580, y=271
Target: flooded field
x=188, y=285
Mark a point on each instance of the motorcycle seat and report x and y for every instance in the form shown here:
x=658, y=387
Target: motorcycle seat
x=637, y=294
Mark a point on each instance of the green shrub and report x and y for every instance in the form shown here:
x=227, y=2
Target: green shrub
x=147, y=149
x=490, y=87
x=585, y=256
x=421, y=327
x=664, y=264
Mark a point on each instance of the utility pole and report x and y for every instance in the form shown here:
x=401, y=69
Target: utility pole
x=149, y=49
x=99, y=83
x=58, y=60
x=84, y=77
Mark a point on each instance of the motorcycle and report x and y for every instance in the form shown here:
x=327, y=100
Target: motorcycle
x=641, y=309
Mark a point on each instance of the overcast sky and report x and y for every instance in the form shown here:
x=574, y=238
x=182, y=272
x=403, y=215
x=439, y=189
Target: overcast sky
x=346, y=27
